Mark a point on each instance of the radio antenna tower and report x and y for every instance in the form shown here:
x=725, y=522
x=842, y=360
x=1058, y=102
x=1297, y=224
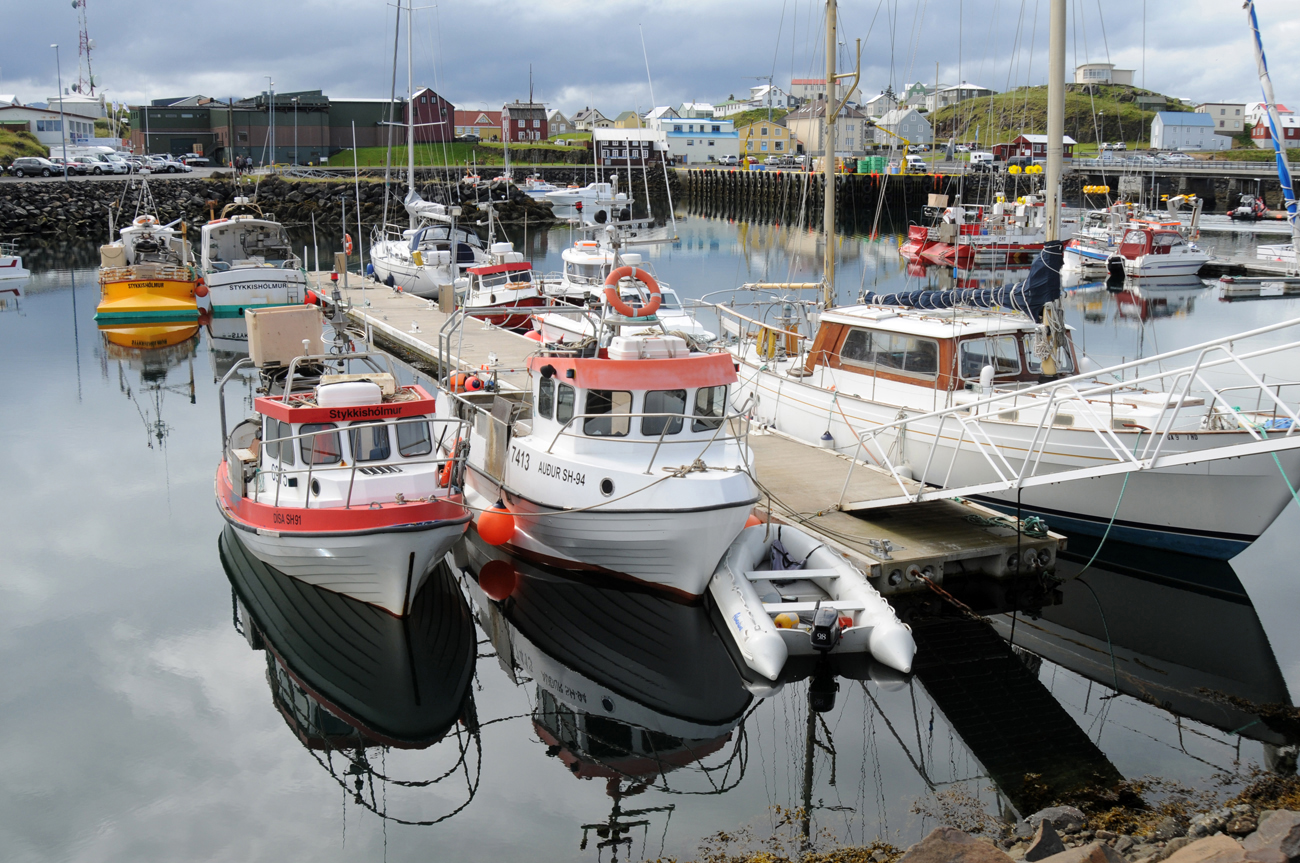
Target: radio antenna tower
x=85, y=75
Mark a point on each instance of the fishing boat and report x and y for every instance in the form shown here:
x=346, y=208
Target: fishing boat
x=596, y=203
x=11, y=263
x=247, y=262
x=503, y=283
x=785, y=593
x=334, y=478
x=148, y=275
x=617, y=457
x=1000, y=232
x=1152, y=249
x=537, y=188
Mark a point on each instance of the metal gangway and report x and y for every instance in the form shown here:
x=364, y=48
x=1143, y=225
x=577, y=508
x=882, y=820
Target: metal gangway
x=1203, y=394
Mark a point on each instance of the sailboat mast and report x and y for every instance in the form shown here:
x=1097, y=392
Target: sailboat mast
x=1055, y=117
x=828, y=161
x=1275, y=128
x=410, y=105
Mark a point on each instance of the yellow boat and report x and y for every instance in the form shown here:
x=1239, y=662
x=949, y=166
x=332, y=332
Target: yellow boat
x=148, y=276
x=147, y=336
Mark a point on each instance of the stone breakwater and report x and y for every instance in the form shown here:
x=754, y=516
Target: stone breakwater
x=79, y=209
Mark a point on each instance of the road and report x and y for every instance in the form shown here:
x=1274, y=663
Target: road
x=58, y=178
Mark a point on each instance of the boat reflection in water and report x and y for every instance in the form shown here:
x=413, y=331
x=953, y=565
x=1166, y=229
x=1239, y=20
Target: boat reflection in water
x=151, y=351
x=349, y=678
x=1197, y=652
x=630, y=687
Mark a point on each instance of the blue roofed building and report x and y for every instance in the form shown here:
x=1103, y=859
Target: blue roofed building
x=1186, y=130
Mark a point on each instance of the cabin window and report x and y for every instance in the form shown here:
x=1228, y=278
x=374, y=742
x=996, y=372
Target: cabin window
x=710, y=405
x=282, y=431
x=320, y=448
x=891, y=352
x=546, y=397
x=564, y=400
x=608, y=413
x=997, y=351
x=663, y=402
x=413, y=438
x=369, y=441
x=1064, y=361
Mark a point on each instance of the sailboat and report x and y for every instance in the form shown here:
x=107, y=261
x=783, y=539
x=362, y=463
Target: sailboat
x=432, y=253
x=1285, y=252
x=922, y=357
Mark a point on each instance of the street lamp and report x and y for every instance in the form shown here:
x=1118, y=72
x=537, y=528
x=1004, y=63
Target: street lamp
x=63, y=128
x=295, y=129
x=271, y=112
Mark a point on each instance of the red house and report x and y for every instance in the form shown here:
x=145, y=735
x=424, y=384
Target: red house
x=434, y=117
x=1034, y=146
x=524, y=121
x=1263, y=136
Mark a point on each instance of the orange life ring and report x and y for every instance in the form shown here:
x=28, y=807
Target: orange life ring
x=616, y=302
x=347, y=244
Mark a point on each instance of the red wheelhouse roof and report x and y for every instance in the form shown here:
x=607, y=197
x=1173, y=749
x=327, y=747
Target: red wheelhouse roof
x=500, y=268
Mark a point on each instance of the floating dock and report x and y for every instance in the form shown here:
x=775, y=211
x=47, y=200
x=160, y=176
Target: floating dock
x=906, y=550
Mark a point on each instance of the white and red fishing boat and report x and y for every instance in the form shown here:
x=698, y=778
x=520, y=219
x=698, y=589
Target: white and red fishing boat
x=504, y=287
x=1003, y=231
x=337, y=480
x=617, y=457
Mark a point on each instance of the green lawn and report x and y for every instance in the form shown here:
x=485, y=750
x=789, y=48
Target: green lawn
x=455, y=154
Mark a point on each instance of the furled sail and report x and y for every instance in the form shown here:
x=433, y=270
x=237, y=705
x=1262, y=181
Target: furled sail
x=1042, y=286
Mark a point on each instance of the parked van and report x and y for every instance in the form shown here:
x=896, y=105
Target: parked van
x=917, y=165
x=978, y=157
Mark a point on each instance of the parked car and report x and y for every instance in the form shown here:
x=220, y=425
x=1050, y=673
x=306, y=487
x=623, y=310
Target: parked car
x=109, y=164
x=774, y=160
x=75, y=168
x=962, y=148
x=194, y=160
x=33, y=166
x=1020, y=161
x=470, y=139
x=1176, y=157
x=730, y=161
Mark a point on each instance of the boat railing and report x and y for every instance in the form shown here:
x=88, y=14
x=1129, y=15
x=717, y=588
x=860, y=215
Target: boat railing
x=738, y=422
x=771, y=340
x=453, y=429
x=1195, y=406
x=451, y=334
x=146, y=271
x=10, y=248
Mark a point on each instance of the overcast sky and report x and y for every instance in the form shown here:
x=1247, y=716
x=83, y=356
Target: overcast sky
x=583, y=52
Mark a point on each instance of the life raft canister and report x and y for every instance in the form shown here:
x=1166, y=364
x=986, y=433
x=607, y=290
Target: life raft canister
x=616, y=302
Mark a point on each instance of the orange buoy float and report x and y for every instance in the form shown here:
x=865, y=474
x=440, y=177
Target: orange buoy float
x=465, y=382
x=616, y=302
x=753, y=521
x=444, y=478
x=498, y=579
x=200, y=288
x=496, y=525
x=347, y=244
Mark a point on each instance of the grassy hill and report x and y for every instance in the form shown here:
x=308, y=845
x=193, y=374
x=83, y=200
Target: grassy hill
x=14, y=144
x=1024, y=111
x=461, y=154
x=744, y=117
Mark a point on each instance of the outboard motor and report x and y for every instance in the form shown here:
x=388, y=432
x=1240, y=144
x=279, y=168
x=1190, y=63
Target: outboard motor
x=825, y=632
x=1114, y=271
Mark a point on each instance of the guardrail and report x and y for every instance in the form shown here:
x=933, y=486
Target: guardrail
x=1084, y=394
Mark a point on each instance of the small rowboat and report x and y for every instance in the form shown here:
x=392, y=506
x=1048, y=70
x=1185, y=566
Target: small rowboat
x=784, y=593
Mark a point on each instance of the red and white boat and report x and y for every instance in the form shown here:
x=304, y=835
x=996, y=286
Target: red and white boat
x=338, y=480
x=1001, y=232
x=506, y=283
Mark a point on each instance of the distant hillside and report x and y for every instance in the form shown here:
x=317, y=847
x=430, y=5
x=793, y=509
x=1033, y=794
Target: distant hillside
x=744, y=117
x=1024, y=111
x=15, y=144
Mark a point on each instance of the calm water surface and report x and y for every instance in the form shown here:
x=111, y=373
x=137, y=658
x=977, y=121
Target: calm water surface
x=143, y=725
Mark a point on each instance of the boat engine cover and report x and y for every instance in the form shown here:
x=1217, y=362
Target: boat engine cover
x=825, y=632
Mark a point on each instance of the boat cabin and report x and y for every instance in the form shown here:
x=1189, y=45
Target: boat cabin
x=246, y=241
x=487, y=279
x=1151, y=240
x=943, y=351
x=650, y=388
x=432, y=239
x=350, y=440
x=145, y=241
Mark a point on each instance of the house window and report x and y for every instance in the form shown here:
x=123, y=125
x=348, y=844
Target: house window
x=711, y=142
x=780, y=145
x=749, y=145
x=690, y=142
x=677, y=128
x=537, y=124
x=424, y=100
x=763, y=146
x=717, y=128
x=764, y=132
x=1236, y=112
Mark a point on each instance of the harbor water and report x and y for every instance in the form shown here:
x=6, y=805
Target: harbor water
x=162, y=702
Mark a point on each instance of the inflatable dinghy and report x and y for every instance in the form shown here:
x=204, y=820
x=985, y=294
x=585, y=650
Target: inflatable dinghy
x=784, y=593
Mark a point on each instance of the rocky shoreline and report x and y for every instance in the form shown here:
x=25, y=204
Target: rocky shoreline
x=43, y=208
